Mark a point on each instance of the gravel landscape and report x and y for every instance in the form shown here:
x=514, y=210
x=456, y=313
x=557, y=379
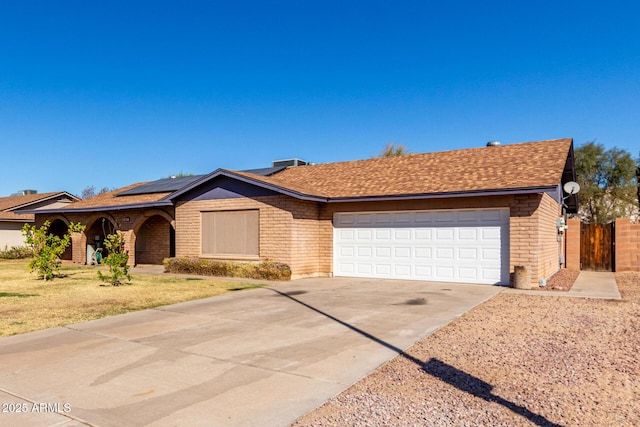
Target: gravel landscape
x=516, y=360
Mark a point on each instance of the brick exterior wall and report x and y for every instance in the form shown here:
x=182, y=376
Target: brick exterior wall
x=129, y=221
x=152, y=241
x=572, y=245
x=534, y=237
x=627, y=252
x=276, y=225
x=300, y=233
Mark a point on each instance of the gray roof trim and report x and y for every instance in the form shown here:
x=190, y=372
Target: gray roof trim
x=156, y=204
x=33, y=202
x=266, y=171
x=233, y=175
x=551, y=190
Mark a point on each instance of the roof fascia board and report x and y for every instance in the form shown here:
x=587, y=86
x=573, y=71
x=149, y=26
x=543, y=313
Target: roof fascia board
x=247, y=180
x=52, y=196
x=157, y=204
x=551, y=190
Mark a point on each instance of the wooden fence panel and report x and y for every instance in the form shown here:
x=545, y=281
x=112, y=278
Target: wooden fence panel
x=597, y=247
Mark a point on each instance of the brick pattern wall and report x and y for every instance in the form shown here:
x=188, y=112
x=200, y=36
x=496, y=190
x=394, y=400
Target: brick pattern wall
x=129, y=221
x=300, y=233
x=276, y=224
x=534, y=239
x=627, y=237
x=152, y=241
x=549, y=241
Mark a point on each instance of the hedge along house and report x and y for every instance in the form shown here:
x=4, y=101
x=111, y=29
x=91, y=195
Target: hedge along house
x=454, y=216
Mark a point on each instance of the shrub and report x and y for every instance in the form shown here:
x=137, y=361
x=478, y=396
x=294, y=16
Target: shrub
x=116, y=260
x=16, y=252
x=47, y=248
x=264, y=270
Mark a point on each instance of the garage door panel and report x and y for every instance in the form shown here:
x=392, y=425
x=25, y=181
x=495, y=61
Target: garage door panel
x=383, y=252
x=383, y=234
x=490, y=233
x=455, y=246
x=364, y=268
x=347, y=251
x=423, y=234
x=424, y=272
x=468, y=233
x=402, y=270
x=444, y=234
x=467, y=254
x=422, y=253
x=365, y=251
x=402, y=234
x=402, y=252
x=490, y=254
x=444, y=254
x=468, y=273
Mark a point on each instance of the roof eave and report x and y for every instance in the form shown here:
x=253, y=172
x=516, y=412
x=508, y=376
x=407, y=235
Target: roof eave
x=248, y=180
x=552, y=189
x=156, y=204
x=51, y=196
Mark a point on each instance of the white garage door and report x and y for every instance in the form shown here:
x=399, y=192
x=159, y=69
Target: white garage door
x=466, y=246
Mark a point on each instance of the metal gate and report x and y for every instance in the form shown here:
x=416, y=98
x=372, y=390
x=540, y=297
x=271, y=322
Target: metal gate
x=597, y=247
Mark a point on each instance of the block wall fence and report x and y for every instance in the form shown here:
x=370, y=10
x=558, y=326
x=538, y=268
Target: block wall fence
x=627, y=245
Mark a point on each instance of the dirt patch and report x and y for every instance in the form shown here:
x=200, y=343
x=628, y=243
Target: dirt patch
x=515, y=360
x=562, y=281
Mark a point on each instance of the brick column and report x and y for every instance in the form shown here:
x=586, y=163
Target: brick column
x=130, y=246
x=78, y=248
x=572, y=245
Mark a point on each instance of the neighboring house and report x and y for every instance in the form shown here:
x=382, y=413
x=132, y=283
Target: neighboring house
x=453, y=216
x=13, y=217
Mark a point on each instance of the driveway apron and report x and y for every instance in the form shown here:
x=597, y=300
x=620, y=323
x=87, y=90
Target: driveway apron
x=262, y=357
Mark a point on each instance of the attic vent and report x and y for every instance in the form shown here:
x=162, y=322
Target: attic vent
x=493, y=143
x=289, y=162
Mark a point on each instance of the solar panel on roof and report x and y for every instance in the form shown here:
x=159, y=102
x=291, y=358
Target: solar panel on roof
x=165, y=185
x=168, y=185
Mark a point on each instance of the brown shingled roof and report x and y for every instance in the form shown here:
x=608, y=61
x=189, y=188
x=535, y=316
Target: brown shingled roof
x=8, y=204
x=505, y=167
x=111, y=198
x=514, y=166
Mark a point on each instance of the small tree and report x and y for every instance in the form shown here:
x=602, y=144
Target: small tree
x=393, y=150
x=116, y=260
x=47, y=248
x=90, y=191
x=607, y=187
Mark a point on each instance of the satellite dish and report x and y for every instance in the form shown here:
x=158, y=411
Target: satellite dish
x=571, y=187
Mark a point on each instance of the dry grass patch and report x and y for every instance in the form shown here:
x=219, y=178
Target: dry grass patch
x=28, y=304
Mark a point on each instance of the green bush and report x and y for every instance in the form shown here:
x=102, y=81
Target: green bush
x=116, y=260
x=264, y=270
x=16, y=252
x=47, y=248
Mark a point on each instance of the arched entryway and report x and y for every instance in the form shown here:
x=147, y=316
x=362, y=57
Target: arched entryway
x=154, y=240
x=60, y=228
x=95, y=235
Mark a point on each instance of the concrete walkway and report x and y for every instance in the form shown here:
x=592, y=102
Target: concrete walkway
x=589, y=284
x=262, y=357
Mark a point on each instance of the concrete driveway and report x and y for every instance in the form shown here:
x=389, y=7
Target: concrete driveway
x=262, y=357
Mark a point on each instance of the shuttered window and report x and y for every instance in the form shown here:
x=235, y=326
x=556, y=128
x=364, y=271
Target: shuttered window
x=231, y=233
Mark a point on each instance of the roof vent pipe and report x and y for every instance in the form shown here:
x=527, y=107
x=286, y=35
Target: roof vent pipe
x=493, y=143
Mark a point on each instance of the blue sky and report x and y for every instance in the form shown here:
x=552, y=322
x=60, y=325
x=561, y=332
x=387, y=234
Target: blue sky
x=112, y=93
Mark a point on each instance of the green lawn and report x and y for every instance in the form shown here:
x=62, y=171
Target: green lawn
x=28, y=304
